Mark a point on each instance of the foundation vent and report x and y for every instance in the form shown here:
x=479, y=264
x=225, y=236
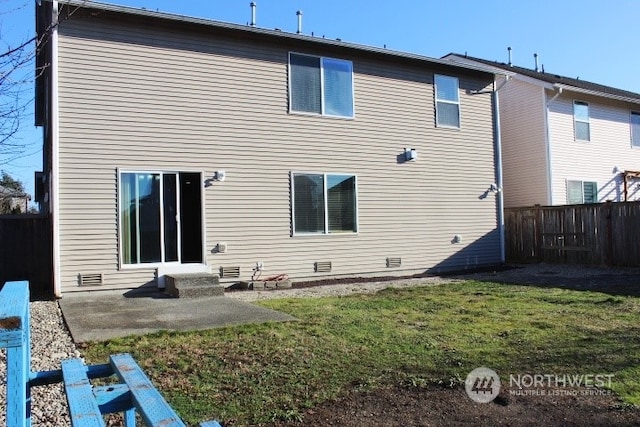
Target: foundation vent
x=394, y=262
x=229, y=272
x=91, y=279
x=322, y=267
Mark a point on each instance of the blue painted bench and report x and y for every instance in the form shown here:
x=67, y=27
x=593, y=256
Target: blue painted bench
x=133, y=394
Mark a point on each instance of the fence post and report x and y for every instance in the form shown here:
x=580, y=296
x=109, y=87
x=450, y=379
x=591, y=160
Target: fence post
x=537, y=226
x=610, y=259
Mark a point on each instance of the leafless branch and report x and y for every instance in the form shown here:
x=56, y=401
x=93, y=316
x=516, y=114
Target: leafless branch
x=17, y=76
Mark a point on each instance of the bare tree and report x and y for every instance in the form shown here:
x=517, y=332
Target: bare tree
x=18, y=73
x=16, y=82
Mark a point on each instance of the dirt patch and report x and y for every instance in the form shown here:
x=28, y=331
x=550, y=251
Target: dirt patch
x=437, y=406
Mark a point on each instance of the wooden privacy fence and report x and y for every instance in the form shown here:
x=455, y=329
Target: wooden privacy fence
x=26, y=251
x=597, y=234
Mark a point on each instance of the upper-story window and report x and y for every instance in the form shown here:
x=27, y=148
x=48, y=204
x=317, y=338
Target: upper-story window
x=320, y=85
x=581, y=121
x=447, y=101
x=635, y=129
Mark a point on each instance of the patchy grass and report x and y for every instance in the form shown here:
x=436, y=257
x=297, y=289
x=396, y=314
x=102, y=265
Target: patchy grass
x=416, y=337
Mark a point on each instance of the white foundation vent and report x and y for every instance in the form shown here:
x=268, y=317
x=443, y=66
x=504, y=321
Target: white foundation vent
x=394, y=262
x=96, y=279
x=226, y=272
x=322, y=267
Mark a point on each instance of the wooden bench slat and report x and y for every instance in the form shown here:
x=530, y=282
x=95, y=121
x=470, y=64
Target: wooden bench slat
x=15, y=337
x=14, y=305
x=150, y=404
x=83, y=407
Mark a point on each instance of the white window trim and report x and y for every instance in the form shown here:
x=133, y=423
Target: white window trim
x=631, y=114
x=581, y=181
x=322, y=108
x=446, y=101
x=325, y=232
x=155, y=265
x=576, y=120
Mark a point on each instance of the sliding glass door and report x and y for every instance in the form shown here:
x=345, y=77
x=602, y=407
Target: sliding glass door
x=151, y=207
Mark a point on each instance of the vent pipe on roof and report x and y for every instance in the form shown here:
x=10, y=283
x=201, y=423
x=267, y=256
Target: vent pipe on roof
x=299, y=14
x=253, y=13
x=535, y=57
x=510, y=63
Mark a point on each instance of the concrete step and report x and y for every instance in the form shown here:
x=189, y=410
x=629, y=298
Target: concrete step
x=193, y=285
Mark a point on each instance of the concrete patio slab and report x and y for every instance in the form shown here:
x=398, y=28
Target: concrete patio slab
x=106, y=315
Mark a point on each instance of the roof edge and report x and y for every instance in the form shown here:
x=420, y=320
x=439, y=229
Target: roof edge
x=128, y=10
x=621, y=94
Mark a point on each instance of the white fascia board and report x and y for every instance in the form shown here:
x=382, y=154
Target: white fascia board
x=570, y=88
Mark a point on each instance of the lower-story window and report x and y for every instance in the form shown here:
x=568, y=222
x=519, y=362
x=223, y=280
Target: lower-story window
x=151, y=206
x=324, y=203
x=579, y=192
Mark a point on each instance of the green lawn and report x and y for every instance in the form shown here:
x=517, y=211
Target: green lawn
x=415, y=336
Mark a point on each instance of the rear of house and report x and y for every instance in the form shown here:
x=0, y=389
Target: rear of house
x=178, y=144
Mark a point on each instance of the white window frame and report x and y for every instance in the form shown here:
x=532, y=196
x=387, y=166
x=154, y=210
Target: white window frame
x=447, y=101
x=161, y=172
x=322, y=90
x=577, y=120
x=634, y=137
x=325, y=231
x=582, y=182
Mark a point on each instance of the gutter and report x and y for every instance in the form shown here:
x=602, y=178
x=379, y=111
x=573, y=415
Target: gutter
x=499, y=180
x=560, y=87
x=55, y=159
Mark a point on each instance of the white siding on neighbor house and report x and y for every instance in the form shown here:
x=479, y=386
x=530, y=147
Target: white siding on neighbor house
x=601, y=159
x=138, y=98
x=524, y=150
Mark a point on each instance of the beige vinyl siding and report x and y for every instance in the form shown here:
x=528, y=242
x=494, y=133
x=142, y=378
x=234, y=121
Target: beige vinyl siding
x=140, y=99
x=599, y=160
x=524, y=151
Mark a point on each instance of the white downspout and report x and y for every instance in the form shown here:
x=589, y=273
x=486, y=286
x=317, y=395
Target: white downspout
x=548, y=145
x=55, y=166
x=499, y=181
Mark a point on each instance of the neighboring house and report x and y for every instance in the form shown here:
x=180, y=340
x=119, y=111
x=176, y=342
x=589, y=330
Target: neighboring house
x=564, y=140
x=176, y=144
x=13, y=201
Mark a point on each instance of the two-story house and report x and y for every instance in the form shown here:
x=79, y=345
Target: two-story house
x=178, y=144
x=564, y=140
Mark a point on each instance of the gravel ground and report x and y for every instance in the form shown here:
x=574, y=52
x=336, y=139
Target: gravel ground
x=333, y=290
x=51, y=342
